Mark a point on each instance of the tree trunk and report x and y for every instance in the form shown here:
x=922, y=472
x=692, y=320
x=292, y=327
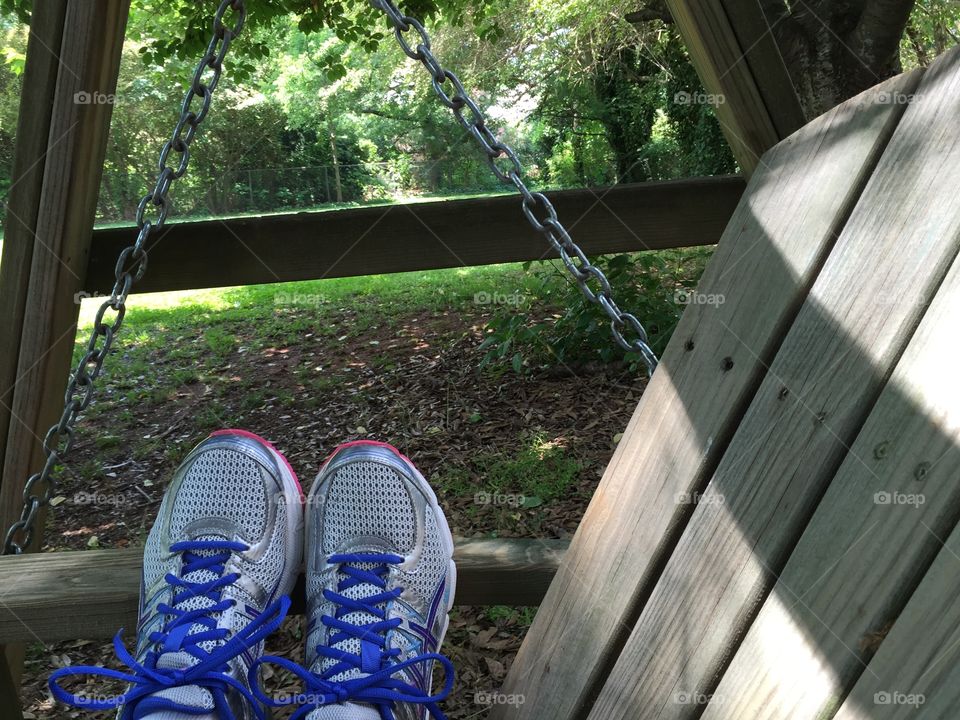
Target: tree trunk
x=333, y=154
x=835, y=49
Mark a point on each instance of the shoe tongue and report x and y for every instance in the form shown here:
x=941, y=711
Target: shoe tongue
x=176, y=661
x=191, y=696
x=174, y=715
x=179, y=703
x=351, y=644
x=347, y=711
x=180, y=660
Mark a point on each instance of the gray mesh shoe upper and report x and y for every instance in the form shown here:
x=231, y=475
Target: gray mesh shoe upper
x=231, y=488
x=370, y=501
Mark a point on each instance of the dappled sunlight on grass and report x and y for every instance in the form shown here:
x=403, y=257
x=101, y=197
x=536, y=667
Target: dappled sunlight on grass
x=427, y=290
x=152, y=306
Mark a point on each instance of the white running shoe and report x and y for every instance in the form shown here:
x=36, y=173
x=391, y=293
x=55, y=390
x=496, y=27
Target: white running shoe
x=221, y=558
x=380, y=582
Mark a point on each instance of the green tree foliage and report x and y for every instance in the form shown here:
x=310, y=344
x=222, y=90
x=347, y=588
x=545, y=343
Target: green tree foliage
x=12, y=55
x=319, y=105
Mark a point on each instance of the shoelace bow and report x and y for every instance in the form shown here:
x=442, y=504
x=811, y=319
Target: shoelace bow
x=210, y=670
x=377, y=686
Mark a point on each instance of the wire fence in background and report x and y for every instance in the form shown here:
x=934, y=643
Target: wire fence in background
x=264, y=190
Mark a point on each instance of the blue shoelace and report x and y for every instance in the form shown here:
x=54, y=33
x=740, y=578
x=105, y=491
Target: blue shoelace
x=379, y=664
x=210, y=670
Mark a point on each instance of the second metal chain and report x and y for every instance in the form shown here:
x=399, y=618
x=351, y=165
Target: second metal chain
x=627, y=330
x=131, y=265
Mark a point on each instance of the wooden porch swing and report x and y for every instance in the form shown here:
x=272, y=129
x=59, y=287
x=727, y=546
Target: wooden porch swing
x=777, y=533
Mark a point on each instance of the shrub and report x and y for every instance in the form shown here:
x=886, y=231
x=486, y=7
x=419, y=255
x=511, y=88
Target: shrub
x=572, y=331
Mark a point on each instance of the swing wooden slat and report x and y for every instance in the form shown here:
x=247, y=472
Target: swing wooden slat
x=916, y=672
x=770, y=254
x=856, y=322
x=874, y=534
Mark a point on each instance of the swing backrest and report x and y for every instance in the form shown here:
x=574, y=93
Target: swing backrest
x=761, y=542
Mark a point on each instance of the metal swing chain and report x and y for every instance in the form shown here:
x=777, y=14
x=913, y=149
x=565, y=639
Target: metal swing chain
x=130, y=268
x=506, y=166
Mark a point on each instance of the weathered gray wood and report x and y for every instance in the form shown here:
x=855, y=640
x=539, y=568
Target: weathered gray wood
x=767, y=259
x=873, y=536
x=101, y=587
x=718, y=56
x=33, y=131
x=899, y=242
x=9, y=686
x=769, y=71
x=915, y=674
x=506, y=571
x=89, y=61
x=419, y=236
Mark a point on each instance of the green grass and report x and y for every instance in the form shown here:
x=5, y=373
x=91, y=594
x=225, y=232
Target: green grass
x=539, y=469
x=274, y=311
x=220, y=342
x=522, y=616
x=172, y=341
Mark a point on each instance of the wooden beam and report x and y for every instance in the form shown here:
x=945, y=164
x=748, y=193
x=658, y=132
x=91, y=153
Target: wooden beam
x=861, y=313
x=101, y=587
x=33, y=136
x=873, y=536
x=49, y=242
x=421, y=236
x=738, y=62
x=762, y=55
x=763, y=267
x=10, y=683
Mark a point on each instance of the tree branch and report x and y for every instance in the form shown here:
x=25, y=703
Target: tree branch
x=656, y=10
x=917, y=43
x=388, y=116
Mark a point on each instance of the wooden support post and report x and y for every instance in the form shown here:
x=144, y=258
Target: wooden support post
x=33, y=130
x=48, y=244
x=33, y=127
x=738, y=61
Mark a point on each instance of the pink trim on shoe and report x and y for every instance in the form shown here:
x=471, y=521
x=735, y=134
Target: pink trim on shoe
x=254, y=436
x=374, y=443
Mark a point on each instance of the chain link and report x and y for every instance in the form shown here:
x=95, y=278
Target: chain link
x=539, y=211
x=131, y=265
x=132, y=262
